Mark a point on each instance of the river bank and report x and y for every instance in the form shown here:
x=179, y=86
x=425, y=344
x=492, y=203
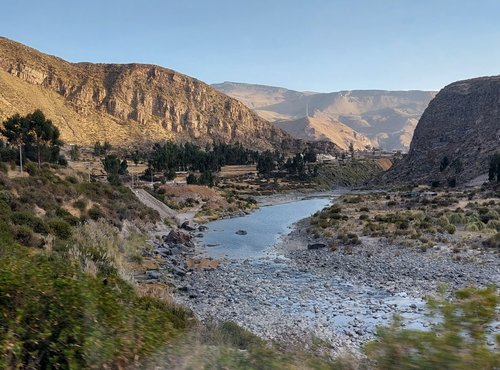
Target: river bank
x=294, y=295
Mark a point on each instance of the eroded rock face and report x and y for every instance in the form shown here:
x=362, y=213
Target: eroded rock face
x=462, y=123
x=148, y=102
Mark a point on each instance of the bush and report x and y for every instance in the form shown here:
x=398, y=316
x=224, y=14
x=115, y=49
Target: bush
x=80, y=204
x=59, y=228
x=455, y=218
x=24, y=235
x=458, y=341
x=450, y=229
x=29, y=219
x=494, y=224
x=54, y=316
x=95, y=213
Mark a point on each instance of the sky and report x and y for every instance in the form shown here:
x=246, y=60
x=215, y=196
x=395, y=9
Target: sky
x=308, y=45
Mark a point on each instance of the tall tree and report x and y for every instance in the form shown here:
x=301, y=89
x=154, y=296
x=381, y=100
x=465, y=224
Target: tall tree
x=15, y=130
x=43, y=134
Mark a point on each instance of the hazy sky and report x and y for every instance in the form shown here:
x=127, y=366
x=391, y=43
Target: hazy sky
x=317, y=45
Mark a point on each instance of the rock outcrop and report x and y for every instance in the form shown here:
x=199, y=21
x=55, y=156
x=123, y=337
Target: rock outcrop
x=456, y=135
x=125, y=103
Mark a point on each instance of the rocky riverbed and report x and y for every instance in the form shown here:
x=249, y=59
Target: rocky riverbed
x=295, y=295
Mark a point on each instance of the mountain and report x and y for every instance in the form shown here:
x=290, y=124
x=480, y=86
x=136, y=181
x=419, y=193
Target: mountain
x=125, y=103
x=386, y=118
x=456, y=136
x=323, y=128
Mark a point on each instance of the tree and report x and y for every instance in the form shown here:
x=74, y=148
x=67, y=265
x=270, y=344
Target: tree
x=265, y=163
x=14, y=130
x=114, y=167
x=444, y=163
x=37, y=134
x=351, y=149
x=310, y=156
x=169, y=174
x=101, y=149
x=74, y=152
x=494, y=170
x=44, y=135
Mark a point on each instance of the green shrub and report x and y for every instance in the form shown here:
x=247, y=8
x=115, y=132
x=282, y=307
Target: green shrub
x=494, y=224
x=458, y=341
x=80, y=204
x=24, y=235
x=29, y=219
x=450, y=229
x=455, y=218
x=57, y=317
x=474, y=226
x=59, y=228
x=443, y=221
x=335, y=209
x=95, y=212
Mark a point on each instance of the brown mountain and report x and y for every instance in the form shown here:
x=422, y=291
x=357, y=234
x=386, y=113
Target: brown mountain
x=323, y=128
x=386, y=118
x=456, y=135
x=124, y=103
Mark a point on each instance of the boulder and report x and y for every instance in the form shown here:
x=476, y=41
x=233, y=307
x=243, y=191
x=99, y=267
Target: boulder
x=153, y=275
x=177, y=237
x=186, y=226
x=241, y=232
x=316, y=246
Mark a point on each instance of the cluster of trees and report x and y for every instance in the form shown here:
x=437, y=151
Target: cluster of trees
x=268, y=162
x=101, y=149
x=206, y=178
x=191, y=157
x=33, y=136
x=169, y=157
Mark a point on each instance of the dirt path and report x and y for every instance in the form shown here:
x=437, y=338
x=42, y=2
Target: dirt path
x=151, y=202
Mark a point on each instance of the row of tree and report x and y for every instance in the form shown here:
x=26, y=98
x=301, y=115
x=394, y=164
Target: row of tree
x=37, y=139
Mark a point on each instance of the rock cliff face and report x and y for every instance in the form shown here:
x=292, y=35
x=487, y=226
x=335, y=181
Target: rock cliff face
x=455, y=136
x=125, y=103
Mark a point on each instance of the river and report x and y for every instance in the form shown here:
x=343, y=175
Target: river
x=272, y=285
x=252, y=235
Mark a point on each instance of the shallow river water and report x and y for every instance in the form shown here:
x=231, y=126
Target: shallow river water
x=261, y=229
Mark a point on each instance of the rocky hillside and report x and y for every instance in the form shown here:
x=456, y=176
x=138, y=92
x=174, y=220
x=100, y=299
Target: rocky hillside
x=456, y=135
x=386, y=118
x=325, y=129
x=124, y=103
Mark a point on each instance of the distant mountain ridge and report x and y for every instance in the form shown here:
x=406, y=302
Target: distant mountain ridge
x=386, y=118
x=125, y=103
